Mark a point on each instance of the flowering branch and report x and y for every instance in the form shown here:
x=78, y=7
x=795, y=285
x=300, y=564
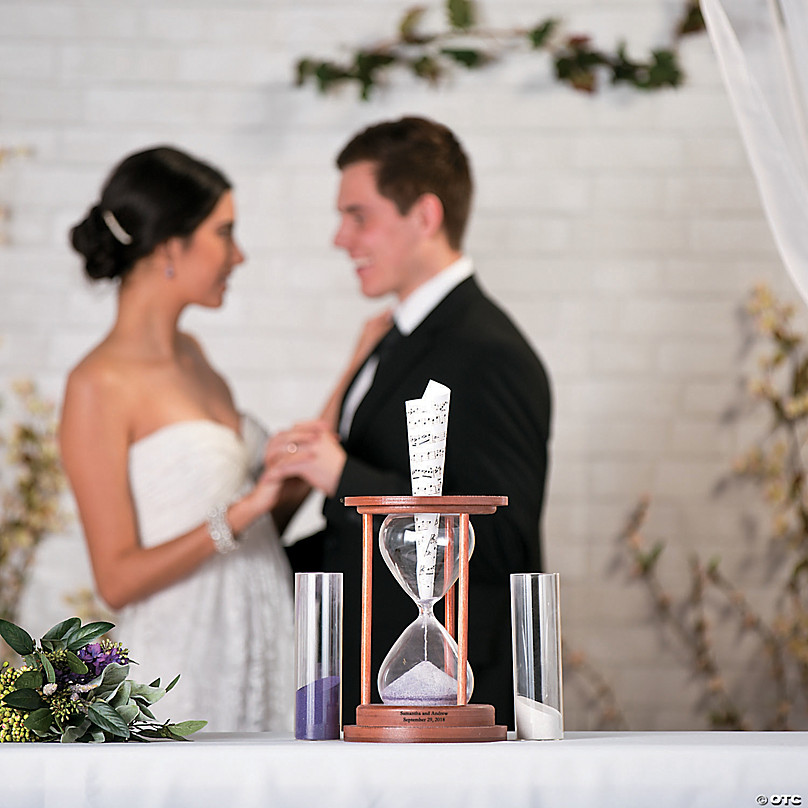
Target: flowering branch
x=31, y=507
x=776, y=466
x=8, y=153
x=686, y=619
x=597, y=693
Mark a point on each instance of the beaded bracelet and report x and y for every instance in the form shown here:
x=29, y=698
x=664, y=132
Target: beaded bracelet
x=220, y=531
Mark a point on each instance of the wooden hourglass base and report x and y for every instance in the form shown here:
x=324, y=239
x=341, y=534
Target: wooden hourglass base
x=382, y=723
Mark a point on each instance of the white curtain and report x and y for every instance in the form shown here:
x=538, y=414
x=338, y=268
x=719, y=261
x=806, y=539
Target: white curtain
x=762, y=48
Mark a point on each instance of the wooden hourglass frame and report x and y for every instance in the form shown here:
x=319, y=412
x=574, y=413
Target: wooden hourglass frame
x=388, y=723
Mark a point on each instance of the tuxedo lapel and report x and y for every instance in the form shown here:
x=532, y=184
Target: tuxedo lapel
x=408, y=353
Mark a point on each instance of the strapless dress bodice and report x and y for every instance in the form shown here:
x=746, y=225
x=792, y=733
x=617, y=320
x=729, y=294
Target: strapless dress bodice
x=182, y=470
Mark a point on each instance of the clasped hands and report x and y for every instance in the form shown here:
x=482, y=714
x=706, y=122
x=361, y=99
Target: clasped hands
x=310, y=451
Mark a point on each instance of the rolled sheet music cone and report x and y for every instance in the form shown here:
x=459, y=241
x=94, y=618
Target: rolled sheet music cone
x=427, y=421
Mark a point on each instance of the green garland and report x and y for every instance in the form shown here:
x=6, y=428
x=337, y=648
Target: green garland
x=431, y=56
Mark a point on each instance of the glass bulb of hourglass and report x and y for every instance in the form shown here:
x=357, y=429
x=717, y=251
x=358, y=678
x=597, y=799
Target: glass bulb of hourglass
x=422, y=552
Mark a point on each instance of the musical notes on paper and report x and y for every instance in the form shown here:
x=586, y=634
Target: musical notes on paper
x=427, y=421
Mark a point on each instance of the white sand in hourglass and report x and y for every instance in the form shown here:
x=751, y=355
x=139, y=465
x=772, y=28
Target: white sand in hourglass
x=424, y=684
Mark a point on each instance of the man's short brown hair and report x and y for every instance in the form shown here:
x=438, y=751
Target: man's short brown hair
x=414, y=156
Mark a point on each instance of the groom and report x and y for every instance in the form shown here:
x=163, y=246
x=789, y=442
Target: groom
x=404, y=200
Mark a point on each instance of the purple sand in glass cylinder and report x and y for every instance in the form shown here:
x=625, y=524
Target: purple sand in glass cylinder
x=317, y=710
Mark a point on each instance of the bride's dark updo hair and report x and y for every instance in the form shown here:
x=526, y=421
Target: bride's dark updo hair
x=150, y=197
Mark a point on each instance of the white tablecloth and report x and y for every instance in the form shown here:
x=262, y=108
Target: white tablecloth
x=646, y=770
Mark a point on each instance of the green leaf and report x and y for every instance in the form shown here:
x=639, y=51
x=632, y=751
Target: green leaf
x=26, y=699
x=146, y=693
x=107, y=719
x=17, y=638
x=327, y=74
x=576, y=64
x=128, y=712
x=109, y=693
x=665, y=71
x=113, y=674
x=367, y=65
x=61, y=630
x=692, y=21
x=409, y=23
x=185, y=728
x=74, y=663
x=462, y=13
x=145, y=710
x=39, y=721
x=110, y=678
x=305, y=69
x=28, y=680
x=50, y=673
x=426, y=67
x=79, y=637
x=173, y=682
x=75, y=732
x=466, y=56
x=624, y=69
x=648, y=561
x=122, y=694
x=368, y=62
x=580, y=78
x=539, y=35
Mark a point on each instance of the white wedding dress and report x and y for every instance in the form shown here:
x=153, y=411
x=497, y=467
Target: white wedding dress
x=228, y=627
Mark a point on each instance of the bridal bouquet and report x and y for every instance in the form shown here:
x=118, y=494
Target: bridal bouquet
x=73, y=686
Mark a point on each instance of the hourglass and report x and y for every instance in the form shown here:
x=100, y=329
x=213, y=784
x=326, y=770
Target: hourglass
x=425, y=681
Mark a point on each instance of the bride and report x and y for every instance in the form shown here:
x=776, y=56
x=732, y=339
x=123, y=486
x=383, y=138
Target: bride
x=166, y=473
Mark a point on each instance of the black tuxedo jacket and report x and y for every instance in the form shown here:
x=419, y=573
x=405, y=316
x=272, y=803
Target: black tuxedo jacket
x=497, y=444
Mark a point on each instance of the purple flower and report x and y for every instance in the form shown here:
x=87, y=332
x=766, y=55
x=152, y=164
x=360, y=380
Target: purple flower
x=96, y=656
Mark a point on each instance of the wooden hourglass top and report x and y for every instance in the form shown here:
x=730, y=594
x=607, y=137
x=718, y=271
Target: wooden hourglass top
x=426, y=504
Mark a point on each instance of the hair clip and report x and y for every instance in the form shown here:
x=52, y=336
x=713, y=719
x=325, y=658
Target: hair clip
x=115, y=227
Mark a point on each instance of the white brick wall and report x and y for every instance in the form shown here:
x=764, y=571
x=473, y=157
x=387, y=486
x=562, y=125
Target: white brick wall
x=622, y=230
